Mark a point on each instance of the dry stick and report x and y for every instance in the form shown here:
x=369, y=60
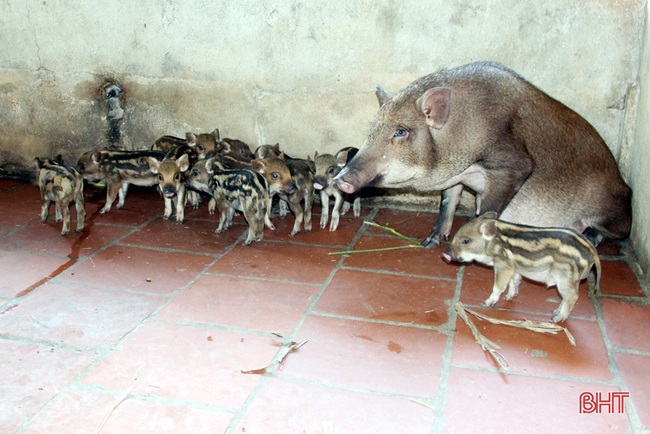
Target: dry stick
x=535, y=326
x=484, y=342
x=102, y=422
x=286, y=348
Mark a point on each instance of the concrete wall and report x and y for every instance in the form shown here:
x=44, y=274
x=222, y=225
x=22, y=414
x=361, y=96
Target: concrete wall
x=294, y=72
x=640, y=158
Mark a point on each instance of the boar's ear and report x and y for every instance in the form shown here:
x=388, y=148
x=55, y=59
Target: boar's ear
x=488, y=229
x=216, y=134
x=281, y=156
x=191, y=139
x=153, y=164
x=39, y=163
x=183, y=162
x=435, y=104
x=490, y=215
x=383, y=96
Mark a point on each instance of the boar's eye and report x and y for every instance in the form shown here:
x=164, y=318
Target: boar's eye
x=195, y=172
x=201, y=148
x=275, y=175
x=330, y=170
x=160, y=177
x=177, y=176
x=400, y=132
x=465, y=241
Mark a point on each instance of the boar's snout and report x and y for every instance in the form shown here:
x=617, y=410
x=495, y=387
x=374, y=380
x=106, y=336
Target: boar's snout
x=344, y=181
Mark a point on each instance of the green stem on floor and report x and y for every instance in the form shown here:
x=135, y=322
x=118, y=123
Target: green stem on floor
x=392, y=231
x=383, y=249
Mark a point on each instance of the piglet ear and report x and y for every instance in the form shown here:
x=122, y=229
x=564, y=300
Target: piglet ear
x=435, y=104
x=217, y=135
x=258, y=165
x=490, y=215
x=153, y=164
x=183, y=162
x=191, y=138
x=488, y=229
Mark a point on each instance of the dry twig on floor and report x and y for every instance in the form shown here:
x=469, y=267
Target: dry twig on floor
x=285, y=349
x=484, y=342
x=491, y=347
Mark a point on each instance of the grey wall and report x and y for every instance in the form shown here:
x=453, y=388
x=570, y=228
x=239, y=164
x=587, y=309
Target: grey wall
x=294, y=72
x=640, y=159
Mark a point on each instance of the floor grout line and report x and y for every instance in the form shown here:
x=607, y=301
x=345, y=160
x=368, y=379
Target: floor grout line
x=236, y=420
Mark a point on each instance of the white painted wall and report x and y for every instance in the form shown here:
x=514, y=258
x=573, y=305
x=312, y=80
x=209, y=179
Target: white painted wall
x=300, y=73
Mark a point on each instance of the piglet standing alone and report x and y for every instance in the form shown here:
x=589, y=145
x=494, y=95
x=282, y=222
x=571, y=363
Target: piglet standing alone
x=554, y=256
x=62, y=185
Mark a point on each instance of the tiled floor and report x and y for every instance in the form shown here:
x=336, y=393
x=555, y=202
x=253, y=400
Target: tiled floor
x=143, y=325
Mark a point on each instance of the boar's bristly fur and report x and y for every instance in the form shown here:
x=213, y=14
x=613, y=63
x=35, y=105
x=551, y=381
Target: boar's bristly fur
x=525, y=155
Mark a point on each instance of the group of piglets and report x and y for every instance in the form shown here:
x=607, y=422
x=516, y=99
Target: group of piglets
x=226, y=170
x=548, y=190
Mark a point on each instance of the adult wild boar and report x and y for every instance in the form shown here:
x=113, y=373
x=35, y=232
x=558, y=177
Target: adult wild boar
x=525, y=155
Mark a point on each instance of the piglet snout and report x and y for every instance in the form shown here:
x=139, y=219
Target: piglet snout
x=448, y=255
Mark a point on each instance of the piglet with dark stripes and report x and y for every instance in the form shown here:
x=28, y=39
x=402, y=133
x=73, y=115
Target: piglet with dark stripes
x=554, y=256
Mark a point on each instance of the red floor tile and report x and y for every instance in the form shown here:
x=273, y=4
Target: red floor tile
x=77, y=316
x=298, y=263
x=24, y=203
x=619, y=279
x=138, y=208
x=85, y=411
x=46, y=238
x=627, y=324
x=364, y=355
x=137, y=269
x=191, y=236
x=522, y=404
x=388, y=297
x=634, y=370
x=416, y=261
x=343, y=235
x=412, y=224
x=533, y=296
x=31, y=375
x=20, y=271
x=284, y=407
x=192, y=364
x=168, y=315
x=252, y=304
x=535, y=353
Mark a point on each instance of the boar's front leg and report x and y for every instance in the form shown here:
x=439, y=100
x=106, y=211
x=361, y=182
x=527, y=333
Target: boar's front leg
x=442, y=227
x=495, y=181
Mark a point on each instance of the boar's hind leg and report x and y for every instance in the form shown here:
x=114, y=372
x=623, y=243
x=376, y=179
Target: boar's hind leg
x=442, y=228
x=614, y=222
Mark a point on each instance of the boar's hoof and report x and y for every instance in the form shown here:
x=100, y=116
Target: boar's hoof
x=431, y=241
